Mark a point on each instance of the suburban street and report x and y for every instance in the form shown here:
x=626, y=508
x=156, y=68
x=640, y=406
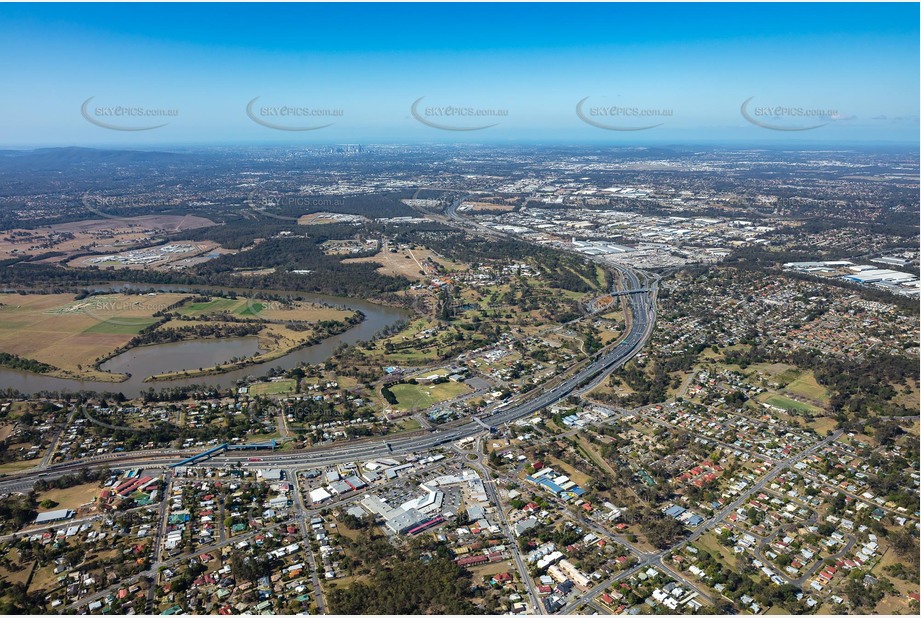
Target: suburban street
x=637, y=292
x=490, y=484
x=302, y=524
x=642, y=309
x=655, y=558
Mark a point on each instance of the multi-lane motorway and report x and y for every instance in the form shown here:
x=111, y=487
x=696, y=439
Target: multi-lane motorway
x=641, y=302
x=642, y=320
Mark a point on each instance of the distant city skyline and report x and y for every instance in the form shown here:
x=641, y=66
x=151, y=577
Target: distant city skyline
x=795, y=74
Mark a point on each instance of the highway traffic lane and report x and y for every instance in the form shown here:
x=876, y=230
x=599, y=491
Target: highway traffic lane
x=640, y=331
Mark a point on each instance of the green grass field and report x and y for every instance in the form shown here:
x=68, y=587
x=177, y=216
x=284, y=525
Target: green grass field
x=69, y=498
x=411, y=358
x=790, y=405
x=18, y=466
x=213, y=306
x=710, y=544
x=806, y=386
x=799, y=382
x=423, y=350
x=408, y=424
x=253, y=309
x=789, y=376
x=267, y=310
x=71, y=333
x=420, y=396
x=823, y=425
x=282, y=387
x=776, y=610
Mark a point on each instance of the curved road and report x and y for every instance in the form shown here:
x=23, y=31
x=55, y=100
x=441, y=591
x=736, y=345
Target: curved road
x=642, y=309
x=644, y=318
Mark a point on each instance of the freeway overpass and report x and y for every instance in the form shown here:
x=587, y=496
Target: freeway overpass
x=643, y=311
x=639, y=294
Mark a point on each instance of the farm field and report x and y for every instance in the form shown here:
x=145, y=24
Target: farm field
x=71, y=334
x=269, y=310
x=215, y=305
x=421, y=396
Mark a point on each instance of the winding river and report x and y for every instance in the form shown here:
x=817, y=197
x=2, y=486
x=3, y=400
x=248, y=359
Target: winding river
x=151, y=360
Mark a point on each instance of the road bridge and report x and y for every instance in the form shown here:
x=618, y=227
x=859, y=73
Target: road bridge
x=188, y=461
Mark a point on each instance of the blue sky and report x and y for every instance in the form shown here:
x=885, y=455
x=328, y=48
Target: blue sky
x=849, y=70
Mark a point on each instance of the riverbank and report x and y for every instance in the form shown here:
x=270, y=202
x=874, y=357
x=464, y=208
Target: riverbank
x=141, y=362
x=273, y=340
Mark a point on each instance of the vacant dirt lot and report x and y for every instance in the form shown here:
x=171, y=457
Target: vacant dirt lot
x=409, y=263
x=69, y=498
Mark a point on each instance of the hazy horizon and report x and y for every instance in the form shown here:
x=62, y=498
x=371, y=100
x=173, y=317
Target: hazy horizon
x=593, y=74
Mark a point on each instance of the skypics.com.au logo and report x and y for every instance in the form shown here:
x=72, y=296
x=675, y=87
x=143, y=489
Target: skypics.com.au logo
x=787, y=118
x=289, y=207
x=455, y=117
x=620, y=118
x=117, y=311
x=125, y=117
x=108, y=206
x=291, y=117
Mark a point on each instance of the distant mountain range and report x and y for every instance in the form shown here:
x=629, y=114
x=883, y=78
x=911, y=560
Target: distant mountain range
x=42, y=157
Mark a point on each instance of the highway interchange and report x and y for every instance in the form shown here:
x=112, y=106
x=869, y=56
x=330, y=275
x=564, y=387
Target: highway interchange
x=643, y=310
x=638, y=289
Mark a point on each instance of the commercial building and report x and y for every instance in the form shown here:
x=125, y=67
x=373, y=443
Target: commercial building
x=54, y=516
x=272, y=474
x=430, y=502
x=319, y=495
x=401, y=520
